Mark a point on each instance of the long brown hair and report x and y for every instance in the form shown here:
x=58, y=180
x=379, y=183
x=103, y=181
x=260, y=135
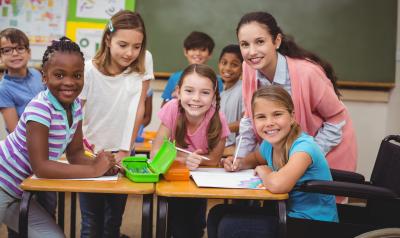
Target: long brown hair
x=279, y=95
x=123, y=19
x=288, y=47
x=215, y=126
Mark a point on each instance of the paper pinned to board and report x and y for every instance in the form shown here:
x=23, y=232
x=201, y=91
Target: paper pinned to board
x=219, y=178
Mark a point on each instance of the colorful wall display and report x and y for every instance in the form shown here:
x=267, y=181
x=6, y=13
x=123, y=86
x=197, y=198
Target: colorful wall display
x=87, y=19
x=41, y=20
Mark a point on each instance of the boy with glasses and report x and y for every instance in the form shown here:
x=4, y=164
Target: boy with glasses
x=19, y=83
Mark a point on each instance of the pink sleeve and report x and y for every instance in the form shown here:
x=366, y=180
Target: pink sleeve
x=324, y=100
x=168, y=114
x=249, y=86
x=225, y=128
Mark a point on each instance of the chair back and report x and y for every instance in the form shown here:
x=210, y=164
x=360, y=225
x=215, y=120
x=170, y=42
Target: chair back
x=386, y=172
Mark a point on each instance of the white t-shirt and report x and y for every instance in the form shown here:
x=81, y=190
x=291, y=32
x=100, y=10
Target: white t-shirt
x=111, y=105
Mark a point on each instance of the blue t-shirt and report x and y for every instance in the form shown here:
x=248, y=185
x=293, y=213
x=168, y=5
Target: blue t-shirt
x=313, y=206
x=173, y=81
x=17, y=92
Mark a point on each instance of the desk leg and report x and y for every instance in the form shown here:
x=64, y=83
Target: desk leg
x=162, y=212
x=73, y=216
x=282, y=218
x=147, y=216
x=23, y=214
x=61, y=209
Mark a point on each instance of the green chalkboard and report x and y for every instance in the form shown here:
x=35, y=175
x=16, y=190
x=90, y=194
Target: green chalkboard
x=357, y=36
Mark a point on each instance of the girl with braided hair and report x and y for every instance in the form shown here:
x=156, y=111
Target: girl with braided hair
x=193, y=120
x=50, y=125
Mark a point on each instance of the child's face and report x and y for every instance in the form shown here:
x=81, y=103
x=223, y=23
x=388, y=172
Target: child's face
x=257, y=46
x=196, y=95
x=63, y=75
x=125, y=46
x=272, y=121
x=197, y=56
x=230, y=67
x=15, y=57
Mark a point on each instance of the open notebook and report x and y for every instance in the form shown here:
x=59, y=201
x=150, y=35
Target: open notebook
x=219, y=178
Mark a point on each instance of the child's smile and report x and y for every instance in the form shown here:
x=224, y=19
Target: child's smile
x=230, y=68
x=64, y=77
x=272, y=121
x=196, y=95
x=15, y=62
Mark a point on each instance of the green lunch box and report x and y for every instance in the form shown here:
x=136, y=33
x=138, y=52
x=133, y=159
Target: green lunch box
x=137, y=169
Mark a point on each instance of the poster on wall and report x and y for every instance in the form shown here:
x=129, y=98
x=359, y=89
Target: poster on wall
x=96, y=10
x=42, y=20
x=87, y=18
x=87, y=35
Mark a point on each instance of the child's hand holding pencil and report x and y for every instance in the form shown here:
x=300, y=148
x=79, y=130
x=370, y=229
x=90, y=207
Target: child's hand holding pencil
x=193, y=160
x=231, y=165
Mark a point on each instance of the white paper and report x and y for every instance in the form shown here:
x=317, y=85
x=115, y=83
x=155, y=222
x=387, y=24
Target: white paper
x=102, y=178
x=219, y=178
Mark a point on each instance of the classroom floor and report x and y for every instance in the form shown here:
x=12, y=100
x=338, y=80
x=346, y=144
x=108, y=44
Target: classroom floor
x=133, y=213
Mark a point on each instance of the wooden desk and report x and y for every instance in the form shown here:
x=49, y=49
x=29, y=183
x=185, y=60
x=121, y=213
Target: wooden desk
x=189, y=189
x=143, y=148
x=121, y=186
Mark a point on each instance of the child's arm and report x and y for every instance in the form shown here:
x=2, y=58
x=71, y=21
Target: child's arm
x=148, y=110
x=234, y=126
x=75, y=151
x=252, y=160
x=283, y=180
x=215, y=154
x=163, y=132
x=10, y=117
x=138, y=121
x=194, y=160
x=38, y=151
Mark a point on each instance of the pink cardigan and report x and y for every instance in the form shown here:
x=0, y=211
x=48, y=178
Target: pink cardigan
x=315, y=102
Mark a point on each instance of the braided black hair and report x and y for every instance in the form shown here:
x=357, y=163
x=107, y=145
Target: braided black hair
x=64, y=44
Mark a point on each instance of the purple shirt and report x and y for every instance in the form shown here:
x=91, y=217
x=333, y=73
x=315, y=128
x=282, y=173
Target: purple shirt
x=14, y=159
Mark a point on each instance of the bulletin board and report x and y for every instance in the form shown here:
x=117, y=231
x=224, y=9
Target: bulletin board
x=42, y=21
x=87, y=19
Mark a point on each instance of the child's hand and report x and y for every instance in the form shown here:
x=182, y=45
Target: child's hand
x=174, y=94
x=113, y=171
x=120, y=155
x=262, y=170
x=103, y=162
x=229, y=166
x=193, y=160
x=87, y=146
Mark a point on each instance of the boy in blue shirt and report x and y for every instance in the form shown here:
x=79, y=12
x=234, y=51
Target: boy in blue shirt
x=19, y=83
x=198, y=47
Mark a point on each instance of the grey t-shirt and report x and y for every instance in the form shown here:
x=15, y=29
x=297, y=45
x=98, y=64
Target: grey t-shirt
x=232, y=106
